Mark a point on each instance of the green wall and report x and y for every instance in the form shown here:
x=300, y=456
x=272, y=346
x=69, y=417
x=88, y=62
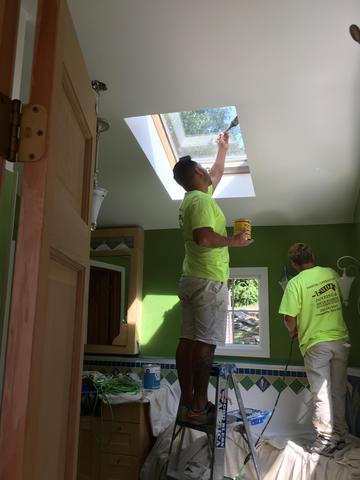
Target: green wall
x=164, y=252
x=354, y=301
x=356, y=231
x=6, y=225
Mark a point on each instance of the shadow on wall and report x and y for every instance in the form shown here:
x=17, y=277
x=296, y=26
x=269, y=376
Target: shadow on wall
x=164, y=340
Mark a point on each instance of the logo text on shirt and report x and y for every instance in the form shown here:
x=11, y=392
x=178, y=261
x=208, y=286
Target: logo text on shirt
x=324, y=289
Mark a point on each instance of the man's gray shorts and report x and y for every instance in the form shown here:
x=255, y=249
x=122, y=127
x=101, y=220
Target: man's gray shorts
x=204, y=309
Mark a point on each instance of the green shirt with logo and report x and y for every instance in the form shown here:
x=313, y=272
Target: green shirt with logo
x=313, y=296
x=199, y=210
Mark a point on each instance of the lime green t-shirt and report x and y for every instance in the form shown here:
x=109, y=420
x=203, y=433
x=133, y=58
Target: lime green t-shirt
x=199, y=210
x=313, y=296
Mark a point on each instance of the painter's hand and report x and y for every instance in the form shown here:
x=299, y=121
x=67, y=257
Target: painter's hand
x=240, y=240
x=223, y=141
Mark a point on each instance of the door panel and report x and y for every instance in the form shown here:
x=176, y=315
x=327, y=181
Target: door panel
x=74, y=157
x=41, y=403
x=51, y=426
x=55, y=376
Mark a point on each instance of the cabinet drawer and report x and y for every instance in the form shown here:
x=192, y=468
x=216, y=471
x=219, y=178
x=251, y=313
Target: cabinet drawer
x=118, y=437
x=114, y=467
x=126, y=412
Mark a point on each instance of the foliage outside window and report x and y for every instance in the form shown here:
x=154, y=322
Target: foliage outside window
x=247, y=327
x=243, y=312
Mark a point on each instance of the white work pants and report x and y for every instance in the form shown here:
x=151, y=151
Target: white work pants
x=325, y=365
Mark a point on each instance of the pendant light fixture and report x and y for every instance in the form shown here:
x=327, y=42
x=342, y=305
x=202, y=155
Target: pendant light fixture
x=102, y=126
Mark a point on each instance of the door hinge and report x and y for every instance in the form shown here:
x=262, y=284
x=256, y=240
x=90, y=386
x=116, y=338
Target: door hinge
x=22, y=130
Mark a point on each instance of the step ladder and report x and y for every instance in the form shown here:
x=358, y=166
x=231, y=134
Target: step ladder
x=216, y=432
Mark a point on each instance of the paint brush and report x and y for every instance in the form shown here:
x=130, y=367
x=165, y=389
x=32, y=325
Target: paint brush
x=233, y=124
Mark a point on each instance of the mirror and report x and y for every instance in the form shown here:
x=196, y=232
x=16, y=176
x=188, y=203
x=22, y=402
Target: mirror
x=106, y=313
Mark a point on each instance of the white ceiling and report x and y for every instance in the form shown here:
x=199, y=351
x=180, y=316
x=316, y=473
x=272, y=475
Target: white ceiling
x=291, y=69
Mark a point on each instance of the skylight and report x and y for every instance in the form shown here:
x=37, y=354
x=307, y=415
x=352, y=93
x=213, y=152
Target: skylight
x=164, y=138
x=195, y=132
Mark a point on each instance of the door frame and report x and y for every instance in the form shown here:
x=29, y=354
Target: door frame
x=9, y=21
x=29, y=262
x=42, y=248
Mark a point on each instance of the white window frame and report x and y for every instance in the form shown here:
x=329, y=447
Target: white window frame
x=263, y=349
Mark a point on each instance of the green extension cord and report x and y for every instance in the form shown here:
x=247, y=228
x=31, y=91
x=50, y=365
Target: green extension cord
x=110, y=385
x=106, y=385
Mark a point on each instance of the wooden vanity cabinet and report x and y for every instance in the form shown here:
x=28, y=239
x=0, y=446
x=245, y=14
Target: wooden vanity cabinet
x=116, y=445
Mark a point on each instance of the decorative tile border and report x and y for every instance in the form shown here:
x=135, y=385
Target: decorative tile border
x=169, y=364
x=248, y=375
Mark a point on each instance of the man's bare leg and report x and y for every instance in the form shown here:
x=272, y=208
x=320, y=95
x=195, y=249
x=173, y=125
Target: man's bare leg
x=202, y=359
x=184, y=366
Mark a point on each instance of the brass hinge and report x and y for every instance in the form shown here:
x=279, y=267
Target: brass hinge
x=22, y=130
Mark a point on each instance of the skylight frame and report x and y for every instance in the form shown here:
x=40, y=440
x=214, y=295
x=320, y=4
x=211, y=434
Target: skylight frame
x=234, y=165
x=144, y=130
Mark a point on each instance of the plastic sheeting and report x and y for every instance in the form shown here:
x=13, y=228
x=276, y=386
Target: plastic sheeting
x=279, y=459
x=283, y=459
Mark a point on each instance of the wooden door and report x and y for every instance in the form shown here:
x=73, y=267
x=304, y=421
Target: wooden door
x=41, y=400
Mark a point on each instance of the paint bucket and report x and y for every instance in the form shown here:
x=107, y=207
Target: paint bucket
x=151, y=377
x=243, y=225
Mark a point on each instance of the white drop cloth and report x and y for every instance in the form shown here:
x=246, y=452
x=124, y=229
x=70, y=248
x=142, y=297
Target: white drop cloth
x=279, y=458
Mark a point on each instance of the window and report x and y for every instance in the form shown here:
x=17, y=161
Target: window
x=195, y=132
x=247, y=325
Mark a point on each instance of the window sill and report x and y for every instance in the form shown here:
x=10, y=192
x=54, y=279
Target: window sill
x=243, y=351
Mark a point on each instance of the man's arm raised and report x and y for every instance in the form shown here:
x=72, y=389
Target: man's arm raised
x=217, y=170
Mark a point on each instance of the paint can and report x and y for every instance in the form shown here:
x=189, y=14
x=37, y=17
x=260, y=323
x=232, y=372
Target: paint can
x=241, y=225
x=151, y=378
